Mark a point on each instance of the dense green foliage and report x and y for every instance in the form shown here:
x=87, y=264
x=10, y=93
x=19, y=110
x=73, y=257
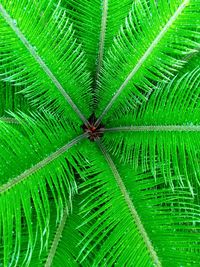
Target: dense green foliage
x=99, y=133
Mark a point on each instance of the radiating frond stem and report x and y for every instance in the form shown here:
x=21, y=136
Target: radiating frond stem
x=143, y=59
x=152, y=128
x=23, y=176
x=57, y=238
x=9, y=120
x=130, y=205
x=41, y=62
x=102, y=37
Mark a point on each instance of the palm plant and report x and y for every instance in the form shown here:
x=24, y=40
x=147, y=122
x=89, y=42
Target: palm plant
x=99, y=130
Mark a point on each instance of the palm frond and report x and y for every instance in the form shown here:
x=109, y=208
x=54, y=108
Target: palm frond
x=139, y=57
x=56, y=240
x=63, y=241
x=165, y=131
x=29, y=170
x=103, y=190
x=40, y=51
x=64, y=249
x=96, y=23
x=134, y=208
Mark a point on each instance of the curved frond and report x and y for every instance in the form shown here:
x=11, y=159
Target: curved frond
x=47, y=58
x=64, y=249
x=163, y=132
x=32, y=165
x=64, y=237
x=140, y=57
x=107, y=196
x=138, y=215
x=96, y=23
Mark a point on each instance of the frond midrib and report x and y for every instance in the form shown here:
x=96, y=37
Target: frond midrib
x=154, y=128
x=56, y=239
x=23, y=176
x=142, y=60
x=102, y=38
x=9, y=120
x=41, y=62
x=130, y=205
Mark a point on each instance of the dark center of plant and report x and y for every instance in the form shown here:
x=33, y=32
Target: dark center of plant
x=93, y=131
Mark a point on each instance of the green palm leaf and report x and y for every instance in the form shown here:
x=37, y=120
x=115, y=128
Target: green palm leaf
x=11, y=101
x=96, y=23
x=33, y=169
x=192, y=62
x=45, y=49
x=173, y=144
x=139, y=57
x=128, y=201
x=64, y=249
x=99, y=133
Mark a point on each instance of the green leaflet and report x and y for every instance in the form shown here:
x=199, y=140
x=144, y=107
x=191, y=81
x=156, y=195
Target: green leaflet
x=10, y=101
x=192, y=62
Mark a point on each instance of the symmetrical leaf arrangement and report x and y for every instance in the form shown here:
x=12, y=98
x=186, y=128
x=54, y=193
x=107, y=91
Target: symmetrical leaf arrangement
x=99, y=133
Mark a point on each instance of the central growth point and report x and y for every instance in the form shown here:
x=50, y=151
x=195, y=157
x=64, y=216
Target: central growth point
x=93, y=131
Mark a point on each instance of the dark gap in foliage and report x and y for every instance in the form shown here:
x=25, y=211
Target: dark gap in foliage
x=93, y=131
